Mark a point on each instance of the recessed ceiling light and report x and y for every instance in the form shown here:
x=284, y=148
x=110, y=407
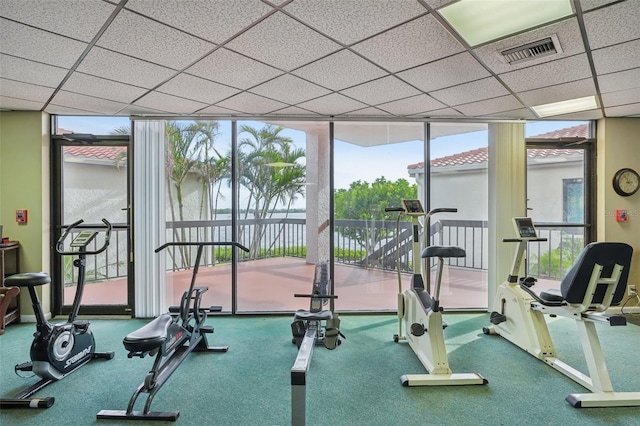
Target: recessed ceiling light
x=480, y=21
x=565, y=107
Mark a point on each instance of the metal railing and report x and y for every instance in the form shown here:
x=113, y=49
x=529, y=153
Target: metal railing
x=367, y=244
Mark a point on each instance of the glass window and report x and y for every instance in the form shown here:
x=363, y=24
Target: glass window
x=282, y=213
x=557, y=196
x=458, y=179
x=373, y=170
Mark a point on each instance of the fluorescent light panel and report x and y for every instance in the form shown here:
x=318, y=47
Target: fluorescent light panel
x=480, y=21
x=566, y=107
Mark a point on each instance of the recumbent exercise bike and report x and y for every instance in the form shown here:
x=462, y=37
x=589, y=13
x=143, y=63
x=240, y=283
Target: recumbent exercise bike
x=170, y=337
x=595, y=282
x=58, y=349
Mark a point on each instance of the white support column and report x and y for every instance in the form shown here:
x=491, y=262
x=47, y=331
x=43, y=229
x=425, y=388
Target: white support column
x=317, y=193
x=149, y=222
x=507, y=196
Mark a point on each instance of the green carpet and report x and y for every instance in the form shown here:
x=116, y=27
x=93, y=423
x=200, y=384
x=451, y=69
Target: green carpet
x=356, y=384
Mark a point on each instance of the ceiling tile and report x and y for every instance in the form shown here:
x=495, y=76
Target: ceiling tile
x=409, y=106
x=283, y=43
x=438, y=3
x=101, y=88
x=114, y=66
x=195, y=16
x=630, y=96
x=141, y=110
x=444, y=112
x=293, y=110
x=29, y=92
x=379, y=91
x=196, y=88
x=559, y=92
x=86, y=103
x=518, y=114
x=216, y=110
x=30, y=72
x=143, y=38
x=347, y=21
x=620, y=57
x=451, y=71
x=409, y=45
x=79, y=19
x=232, y=69
x=289, y=89
x=8, y=104
x=169, y=103
x=593, y=114
x=37, y=45
x=470, y=92
x=490, y=106
x=251, y=104
x=623, y=110
x=63, y=110
x=614, y=24
x=340, y=70
x=617, y=81
x=548, y=73
x=591, y=4
x=332, y=104
x=367, y=112
x=569, y=37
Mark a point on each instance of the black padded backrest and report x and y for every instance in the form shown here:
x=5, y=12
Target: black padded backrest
x=606, y=254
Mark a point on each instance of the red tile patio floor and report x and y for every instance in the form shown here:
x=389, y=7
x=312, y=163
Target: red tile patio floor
x=268, y=285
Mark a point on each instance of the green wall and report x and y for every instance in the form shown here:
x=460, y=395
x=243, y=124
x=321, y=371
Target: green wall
x=24, y=184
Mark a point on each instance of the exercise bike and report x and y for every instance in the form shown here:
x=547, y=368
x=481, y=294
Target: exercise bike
x=170, y=337
x=58, y=349
x=596, y=281
x=419, y=309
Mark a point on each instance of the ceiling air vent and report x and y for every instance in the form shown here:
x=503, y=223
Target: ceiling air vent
x=534, y=50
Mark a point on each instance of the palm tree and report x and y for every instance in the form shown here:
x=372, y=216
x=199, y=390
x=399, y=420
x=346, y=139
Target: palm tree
x=271, y=173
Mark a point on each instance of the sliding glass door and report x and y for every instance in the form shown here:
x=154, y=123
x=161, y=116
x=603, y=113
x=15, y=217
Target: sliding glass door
x=91, y=181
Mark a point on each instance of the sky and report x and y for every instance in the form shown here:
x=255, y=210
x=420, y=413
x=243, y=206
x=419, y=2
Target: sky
x=352, y=162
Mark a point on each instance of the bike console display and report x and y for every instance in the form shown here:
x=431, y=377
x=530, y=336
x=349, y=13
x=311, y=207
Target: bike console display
x=413, y=207
x=524, y=228
x=83, y=239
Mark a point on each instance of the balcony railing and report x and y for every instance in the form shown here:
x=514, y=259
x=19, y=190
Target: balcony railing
x=367, y=244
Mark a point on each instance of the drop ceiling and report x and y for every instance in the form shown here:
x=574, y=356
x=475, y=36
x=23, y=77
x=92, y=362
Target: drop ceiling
x=347, y=59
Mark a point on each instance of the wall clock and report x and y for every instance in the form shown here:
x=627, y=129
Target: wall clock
x=626, y=182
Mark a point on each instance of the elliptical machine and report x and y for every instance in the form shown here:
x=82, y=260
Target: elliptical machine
x=58, y=349
x=419, y=309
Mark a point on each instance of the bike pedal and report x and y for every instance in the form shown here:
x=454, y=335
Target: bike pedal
x=25, y=366
x=81, y=324
x=206, y=329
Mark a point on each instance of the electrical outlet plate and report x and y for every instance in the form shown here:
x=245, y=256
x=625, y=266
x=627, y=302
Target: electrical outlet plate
x=631, y=290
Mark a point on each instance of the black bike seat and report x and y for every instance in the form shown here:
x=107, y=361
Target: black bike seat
x=149, y=336
x=27, y=279
x=313, y=316
x=442, y=251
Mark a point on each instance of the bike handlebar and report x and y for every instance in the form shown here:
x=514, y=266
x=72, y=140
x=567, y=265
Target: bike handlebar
x=206, y=243
x=60, y=243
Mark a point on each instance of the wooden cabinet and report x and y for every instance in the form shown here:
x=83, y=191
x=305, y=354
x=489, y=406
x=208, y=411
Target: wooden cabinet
x=9, y=300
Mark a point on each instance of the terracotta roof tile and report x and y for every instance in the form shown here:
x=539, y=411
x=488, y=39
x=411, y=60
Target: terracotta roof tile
x=481, y=155
x=101, y=152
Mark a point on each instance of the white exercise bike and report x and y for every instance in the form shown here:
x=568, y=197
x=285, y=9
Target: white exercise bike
x=420, y=311
x=596, y=281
